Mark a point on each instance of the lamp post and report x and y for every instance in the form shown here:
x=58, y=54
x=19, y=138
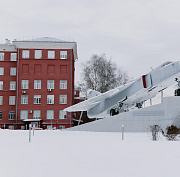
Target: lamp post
x=51, y=122
x=56, y=124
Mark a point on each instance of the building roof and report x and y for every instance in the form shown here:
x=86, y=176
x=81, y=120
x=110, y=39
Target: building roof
x=7, y=47
x=46, y=43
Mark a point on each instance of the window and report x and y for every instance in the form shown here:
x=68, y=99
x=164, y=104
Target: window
x=1, y=56
x=11, y=127
x=50, y=114
x=63, y=99
x=1, y=85
x=13, y=56
x=1, y=71
x=24, y=99
x=36, y=114
x=11, y=100
x=50, y=99
x=38, y=54
x=62, y=127
x=12, y=71
x=11, y=115
x=25, y=54
x=62, y=114
x=1, y=100
x=0, y=115
x=37, y=99
x=37, y=84
x=63, y=84
x=49, y=126
x=63, y=54
x=24, y=114
x=51, y=54
x=50, y=84
x=12, y=85
x=24, y=84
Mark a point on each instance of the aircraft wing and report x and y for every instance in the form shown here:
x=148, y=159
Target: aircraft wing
x=82, y=106
x=94, y=101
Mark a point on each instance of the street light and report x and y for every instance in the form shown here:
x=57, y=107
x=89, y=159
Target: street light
x=51, y=122
x=56, y=124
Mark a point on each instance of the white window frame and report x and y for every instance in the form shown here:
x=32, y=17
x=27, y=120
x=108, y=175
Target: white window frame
x=12, y=85
x=50, y=99
x=51, y=54
x=1, y=56
x=50, y=84
x=38, y=54
x=13, y=71
x=36, y=114
x=13, y=57
x=62, y=99
x=62, y=114
x=11, y=115
x=37, y=84
x=63, y=84
x=11, y=127
x=24, y=84
x=63, y=54
x=50, y=114
x=12, y=100
x=24, y=99
x=1, y=71
x=24, y=114
x=1, y=85
x=37, y=99
x=25, y=54
x=1, y=100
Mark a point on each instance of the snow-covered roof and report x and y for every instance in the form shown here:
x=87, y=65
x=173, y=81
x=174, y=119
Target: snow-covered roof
x=46, y=43
x=48, y=39
x=7, y=47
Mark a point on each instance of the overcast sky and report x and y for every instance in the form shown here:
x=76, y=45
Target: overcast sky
x=136, y=34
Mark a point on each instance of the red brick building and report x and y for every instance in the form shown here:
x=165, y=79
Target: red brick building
x=36, y=83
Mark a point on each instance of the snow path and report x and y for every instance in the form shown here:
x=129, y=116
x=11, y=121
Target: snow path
x=86, y=154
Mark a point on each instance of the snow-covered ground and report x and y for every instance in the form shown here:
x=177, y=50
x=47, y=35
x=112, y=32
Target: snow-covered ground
x=56, y=153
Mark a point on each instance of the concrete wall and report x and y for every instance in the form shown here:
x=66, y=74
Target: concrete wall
x=163, y=114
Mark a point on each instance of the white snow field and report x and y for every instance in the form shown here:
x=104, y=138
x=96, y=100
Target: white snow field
x=55, y=153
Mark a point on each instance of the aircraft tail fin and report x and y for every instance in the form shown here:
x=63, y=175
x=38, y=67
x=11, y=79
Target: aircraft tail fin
x=92, y=93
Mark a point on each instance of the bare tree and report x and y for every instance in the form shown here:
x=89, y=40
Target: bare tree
x=154, y=132
x=171, y=133
x=101, y=74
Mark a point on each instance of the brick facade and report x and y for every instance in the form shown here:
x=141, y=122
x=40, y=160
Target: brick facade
x=44, y=71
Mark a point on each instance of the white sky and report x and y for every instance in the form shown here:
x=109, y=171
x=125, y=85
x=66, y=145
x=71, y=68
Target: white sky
x=137, y=34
